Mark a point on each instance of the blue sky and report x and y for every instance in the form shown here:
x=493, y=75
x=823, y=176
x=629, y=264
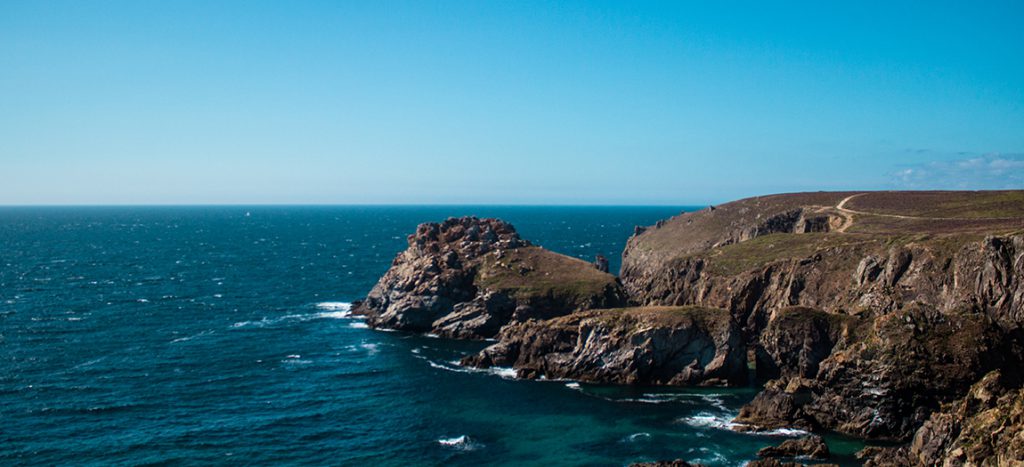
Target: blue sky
x=503, y=102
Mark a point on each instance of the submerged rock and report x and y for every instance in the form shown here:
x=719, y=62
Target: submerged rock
x=656, y=346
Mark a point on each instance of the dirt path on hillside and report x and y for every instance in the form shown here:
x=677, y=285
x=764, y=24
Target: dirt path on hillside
x=849, y=213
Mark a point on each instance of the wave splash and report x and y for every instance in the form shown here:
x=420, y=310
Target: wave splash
x=332, y=310
x=709, y=420
x=503, y=372
x=460, y=443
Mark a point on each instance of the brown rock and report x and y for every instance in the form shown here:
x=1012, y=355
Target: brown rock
x=774, y=408
x=810, y=447
x=656, y=346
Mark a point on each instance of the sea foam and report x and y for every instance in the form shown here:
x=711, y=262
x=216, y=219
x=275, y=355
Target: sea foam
x=333, y=310
x=635, y=437
x=503, y=372
x=461, y=443
x=709, y=420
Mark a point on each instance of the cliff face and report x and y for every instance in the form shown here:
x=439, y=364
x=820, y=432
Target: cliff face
x=866, y=310
x=649, y=346
x=468, y=277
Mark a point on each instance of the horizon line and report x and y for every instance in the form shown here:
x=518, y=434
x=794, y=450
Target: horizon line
x=102, y=205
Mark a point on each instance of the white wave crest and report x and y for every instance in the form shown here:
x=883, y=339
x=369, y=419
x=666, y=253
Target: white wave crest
x=649, y=400
x=636, y=437
x=780, y=432
x=709, y=456
x=709, y=420
x=298, y=318
x=188, y=338
x=507, y=373
x=334, y=306
x=715, y=400
x=461, y=443
x=503, y=372
x=334, y=314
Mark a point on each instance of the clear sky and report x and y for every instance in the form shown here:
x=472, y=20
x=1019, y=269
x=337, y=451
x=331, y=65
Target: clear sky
x=516, y=102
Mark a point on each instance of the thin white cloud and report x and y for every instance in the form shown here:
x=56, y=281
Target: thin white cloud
x=985, y=172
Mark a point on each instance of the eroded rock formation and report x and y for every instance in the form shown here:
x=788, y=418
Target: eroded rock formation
x=468, y=277
x=649, y=346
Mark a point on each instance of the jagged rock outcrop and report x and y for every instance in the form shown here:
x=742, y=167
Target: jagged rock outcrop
x=649, y=346
x=468, y=277
x=887, y=376
x=885, y=382
x=778, y=405
x=866, y=311
x=985, y=427
x=807, y=447
x=797, y=339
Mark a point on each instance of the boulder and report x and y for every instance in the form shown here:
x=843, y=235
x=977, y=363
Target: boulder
x=809, y=447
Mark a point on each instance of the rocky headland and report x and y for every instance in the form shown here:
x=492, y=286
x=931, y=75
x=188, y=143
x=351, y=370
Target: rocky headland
x=468, y=277
x=895, y=316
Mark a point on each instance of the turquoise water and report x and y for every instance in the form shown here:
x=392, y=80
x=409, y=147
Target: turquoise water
x=186, y=335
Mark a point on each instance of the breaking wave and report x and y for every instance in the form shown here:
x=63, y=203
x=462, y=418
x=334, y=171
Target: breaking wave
x=461, y=443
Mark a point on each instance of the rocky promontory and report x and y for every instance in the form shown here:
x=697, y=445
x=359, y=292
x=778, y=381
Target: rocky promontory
x=894, y=316
x=467, y=277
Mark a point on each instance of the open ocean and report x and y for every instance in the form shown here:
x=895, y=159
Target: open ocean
x=221, y=335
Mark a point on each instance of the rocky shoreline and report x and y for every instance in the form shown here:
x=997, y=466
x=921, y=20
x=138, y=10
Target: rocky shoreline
x=863, y=313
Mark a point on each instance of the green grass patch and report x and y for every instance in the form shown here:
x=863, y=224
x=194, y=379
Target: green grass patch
x=532, y=271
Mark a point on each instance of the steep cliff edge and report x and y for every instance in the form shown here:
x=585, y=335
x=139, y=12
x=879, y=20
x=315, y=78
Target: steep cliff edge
x=468, y=277
x=866, y=311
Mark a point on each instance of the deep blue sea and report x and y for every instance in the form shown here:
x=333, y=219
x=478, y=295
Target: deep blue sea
x=220, y=335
